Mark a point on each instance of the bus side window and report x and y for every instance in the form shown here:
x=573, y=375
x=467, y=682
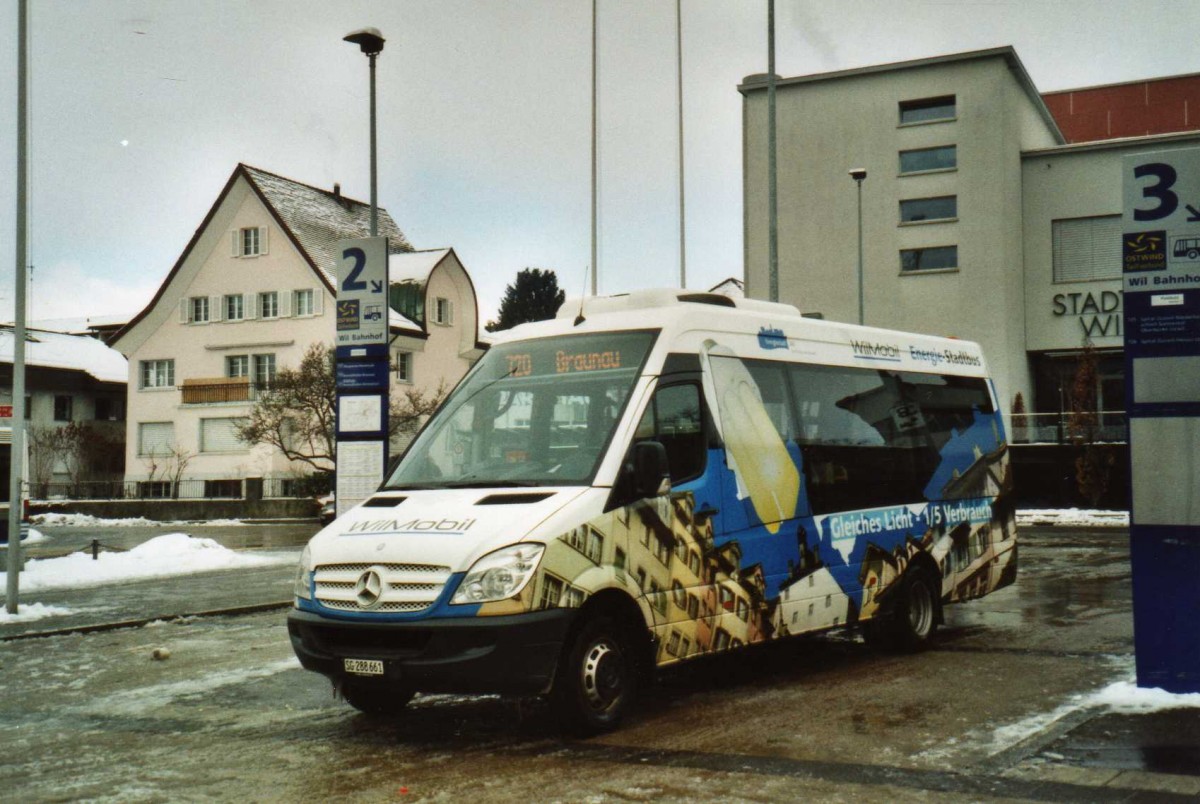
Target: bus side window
x=674, y=419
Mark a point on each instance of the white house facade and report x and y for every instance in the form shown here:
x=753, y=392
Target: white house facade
x=250, y=293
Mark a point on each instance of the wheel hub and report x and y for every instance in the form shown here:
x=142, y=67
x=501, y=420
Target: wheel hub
x=603, y=675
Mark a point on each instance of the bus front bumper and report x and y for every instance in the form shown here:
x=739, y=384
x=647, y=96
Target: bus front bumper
x=513, y=654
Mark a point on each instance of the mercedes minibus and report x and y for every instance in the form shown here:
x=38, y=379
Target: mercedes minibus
x=656, y=477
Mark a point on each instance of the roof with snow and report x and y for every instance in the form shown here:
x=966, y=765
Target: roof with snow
x=70, y=352
x=414, y=266
x=313, y=219
x=317, y=219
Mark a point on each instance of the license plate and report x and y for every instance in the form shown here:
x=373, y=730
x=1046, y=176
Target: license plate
x=363, y=667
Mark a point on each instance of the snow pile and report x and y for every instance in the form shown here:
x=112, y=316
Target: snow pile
x=1073, y=517
x=1122, y=696
x=86, y=521
x=33, y=611
x=170, y=554
x=1127, y=697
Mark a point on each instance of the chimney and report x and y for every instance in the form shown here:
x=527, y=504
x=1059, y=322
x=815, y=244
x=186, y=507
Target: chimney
x=337, y=191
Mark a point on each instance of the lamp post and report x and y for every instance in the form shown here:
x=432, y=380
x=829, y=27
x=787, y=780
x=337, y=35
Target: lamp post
x=859, y=174
x=371, y=41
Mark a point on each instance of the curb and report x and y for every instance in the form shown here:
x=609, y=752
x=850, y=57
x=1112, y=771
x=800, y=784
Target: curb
x=113, y=626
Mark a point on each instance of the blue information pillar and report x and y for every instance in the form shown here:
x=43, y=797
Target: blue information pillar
x=361, y=341
x=1161, y=262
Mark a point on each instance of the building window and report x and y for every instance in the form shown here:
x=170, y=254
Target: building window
x=234, y=308
x=922, y=160
x=250, y=242
x=619, y=559
x=404, y=366
x=443, y=311
x=928, y=110
x=929, y=209
x=220, y=435
x=302, y=302
x=264, y=370
x=108, y=410
x=237, y=366
x=199, y=308
x=928, y=259
x=231, y=489
x=268, y=304
x=158, y=373
x=1087, y=248
x=155, y=438
x=63, y=406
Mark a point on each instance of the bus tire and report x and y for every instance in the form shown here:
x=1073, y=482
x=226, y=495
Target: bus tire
x=912, y=620
x=915, y=618
x=597, y=678
x=373, y=698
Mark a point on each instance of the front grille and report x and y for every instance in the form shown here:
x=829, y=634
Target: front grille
x=404, y=588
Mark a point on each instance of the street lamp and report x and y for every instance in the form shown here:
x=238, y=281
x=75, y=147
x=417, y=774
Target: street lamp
x=371, y=41
x=858, y=174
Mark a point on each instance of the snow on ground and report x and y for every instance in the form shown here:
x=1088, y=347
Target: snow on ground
x=33, y=611
x=1075, y=517
x=169, y=554
x=86, y=520
x=1124, y=697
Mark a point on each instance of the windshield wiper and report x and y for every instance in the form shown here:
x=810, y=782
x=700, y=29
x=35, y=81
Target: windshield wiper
x=489, y=484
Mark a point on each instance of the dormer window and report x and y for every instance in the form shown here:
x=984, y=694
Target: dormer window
x=250, y=241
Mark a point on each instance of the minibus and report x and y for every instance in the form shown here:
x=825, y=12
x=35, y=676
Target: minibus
x=656, y=477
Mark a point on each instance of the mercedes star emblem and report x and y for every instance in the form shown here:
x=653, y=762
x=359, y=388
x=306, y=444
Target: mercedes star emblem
x=368, y=589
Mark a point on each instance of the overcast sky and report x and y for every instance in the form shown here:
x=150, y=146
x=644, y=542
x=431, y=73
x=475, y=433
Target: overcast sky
x=141, y=109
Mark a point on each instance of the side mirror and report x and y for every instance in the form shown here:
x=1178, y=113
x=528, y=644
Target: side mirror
x=650, y=472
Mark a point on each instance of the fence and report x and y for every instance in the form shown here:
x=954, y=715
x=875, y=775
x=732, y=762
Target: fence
x=189, y=489
x=1107, y=426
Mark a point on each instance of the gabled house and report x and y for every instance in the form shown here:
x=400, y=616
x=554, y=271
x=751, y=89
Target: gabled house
x=251, y=292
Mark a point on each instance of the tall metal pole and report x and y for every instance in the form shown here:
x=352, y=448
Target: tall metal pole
x=679, y=88
x=595, y=271
x=772, y=189
x=374, y=173
x=861, y=320
x=17, y=464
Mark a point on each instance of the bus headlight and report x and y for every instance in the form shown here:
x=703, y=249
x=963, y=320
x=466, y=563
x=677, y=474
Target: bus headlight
x=499, y=575
x=300, y=585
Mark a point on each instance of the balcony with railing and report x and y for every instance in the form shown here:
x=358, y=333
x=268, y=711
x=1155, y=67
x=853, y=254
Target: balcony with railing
x=218, y=391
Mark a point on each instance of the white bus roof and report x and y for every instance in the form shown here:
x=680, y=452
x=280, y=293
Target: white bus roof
x=688, y=318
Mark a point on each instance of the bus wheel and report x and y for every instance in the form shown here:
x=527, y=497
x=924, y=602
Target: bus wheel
x=597, y=678
x=373, y=698
x=913, y=618
x=916, y=612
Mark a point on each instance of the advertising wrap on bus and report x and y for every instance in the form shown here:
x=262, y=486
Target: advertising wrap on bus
x=600, y=497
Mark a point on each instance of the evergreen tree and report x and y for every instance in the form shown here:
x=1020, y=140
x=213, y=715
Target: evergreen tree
x=534, y=296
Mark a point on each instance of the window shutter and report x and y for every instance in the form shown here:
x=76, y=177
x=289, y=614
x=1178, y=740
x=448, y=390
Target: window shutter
x=219, y=435
x=185, y=311
x=285, y=302
x=214, y=308
x=249, y=306
x=262, y=239
x=318, y=301
x=449, y=312
x=1087, y=248
x=156, y=438
x=235, y=245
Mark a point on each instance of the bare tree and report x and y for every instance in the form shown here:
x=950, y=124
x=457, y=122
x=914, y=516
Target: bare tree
x=297, y=414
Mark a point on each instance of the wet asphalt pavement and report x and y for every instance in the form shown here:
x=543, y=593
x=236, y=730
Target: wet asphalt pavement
x=996, y=710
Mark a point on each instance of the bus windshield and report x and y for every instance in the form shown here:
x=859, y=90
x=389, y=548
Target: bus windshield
x=533, y=413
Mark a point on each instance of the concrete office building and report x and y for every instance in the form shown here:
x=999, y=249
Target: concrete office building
x=990, y=212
